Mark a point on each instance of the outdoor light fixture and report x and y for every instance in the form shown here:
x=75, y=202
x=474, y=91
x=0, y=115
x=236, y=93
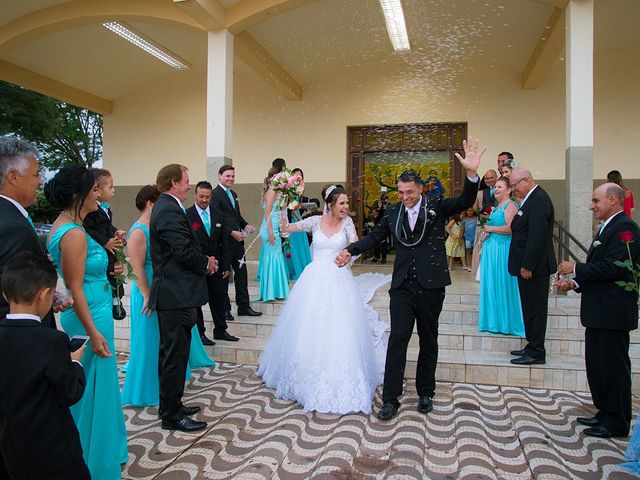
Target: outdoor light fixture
x=146, y=44
x=394, y=18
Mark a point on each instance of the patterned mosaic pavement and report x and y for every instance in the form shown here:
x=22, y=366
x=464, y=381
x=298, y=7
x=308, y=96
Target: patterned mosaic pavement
x=474, y=432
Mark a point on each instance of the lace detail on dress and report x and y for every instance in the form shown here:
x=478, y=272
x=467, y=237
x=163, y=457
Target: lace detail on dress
x=350, y=229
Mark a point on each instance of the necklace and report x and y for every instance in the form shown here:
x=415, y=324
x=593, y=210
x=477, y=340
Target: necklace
x=73, y=219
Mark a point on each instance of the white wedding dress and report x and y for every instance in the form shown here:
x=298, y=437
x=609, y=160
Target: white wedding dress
x=328, y=346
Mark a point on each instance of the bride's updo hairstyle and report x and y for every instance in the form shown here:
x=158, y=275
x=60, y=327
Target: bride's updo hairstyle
x=70, y=187
x=330, y=194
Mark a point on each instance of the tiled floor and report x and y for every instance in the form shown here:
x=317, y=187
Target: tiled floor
x=474, y=432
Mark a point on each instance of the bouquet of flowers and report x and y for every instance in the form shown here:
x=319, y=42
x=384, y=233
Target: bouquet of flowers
x=484, y=215
x=128, y=274
x=289, y=186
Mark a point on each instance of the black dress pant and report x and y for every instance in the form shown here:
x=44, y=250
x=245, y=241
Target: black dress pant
x=411, y=303
x=217, y=290
x=609, y=377
x=175, y=343
x=78, y=471
x=534, y=298
x=239, y=280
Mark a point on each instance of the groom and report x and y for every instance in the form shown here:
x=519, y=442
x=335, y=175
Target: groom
x=420, y=274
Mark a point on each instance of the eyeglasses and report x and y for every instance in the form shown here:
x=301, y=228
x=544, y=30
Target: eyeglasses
x=516, y=183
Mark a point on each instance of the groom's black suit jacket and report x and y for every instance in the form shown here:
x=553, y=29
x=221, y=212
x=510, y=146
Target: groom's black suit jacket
x=38, y=437
x=179, y=266
x=16, y=235
x=604, y=304
x=429, y=255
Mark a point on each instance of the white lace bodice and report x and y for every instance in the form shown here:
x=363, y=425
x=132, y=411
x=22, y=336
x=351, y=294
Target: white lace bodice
x=322, y=246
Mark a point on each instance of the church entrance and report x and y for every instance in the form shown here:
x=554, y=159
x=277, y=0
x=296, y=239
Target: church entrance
x=378, y=154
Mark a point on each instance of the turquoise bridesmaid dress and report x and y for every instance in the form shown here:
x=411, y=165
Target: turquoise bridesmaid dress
x=98, y=415
x=141, y=384
x=272, y=270
x=500, y=309
x=300, y=251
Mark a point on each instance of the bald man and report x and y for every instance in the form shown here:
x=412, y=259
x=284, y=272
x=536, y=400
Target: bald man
x=532, y=260
x=607, y=311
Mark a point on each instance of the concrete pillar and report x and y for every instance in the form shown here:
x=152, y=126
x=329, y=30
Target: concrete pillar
x=219, y=101
x=579, y=118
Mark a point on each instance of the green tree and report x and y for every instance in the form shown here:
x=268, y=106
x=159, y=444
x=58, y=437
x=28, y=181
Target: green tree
x=42, y=211
x=64, y=133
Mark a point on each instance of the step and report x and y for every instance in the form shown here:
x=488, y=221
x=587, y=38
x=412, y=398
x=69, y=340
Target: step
x=561, y=372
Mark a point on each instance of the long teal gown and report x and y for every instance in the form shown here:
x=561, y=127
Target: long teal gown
x=300, y=251
x=141, y=384
x=98, y=415
x=500, y=309
x=272, y=270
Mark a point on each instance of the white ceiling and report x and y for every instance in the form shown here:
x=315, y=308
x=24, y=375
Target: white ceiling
x=315, y=41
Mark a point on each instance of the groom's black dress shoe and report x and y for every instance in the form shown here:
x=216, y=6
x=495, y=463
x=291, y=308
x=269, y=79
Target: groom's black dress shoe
x=425, y=405
x=225, y=336
x=188, y=411
x=602, y=432
x=387, y=412
x=206, y=341
x=527, y=360
x=248, y=312
x=588, y=421
x=227, y=316
x=185, y=424
x=519, y=353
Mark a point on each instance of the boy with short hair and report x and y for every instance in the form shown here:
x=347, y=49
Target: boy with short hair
x=40, y=380
x=99, y=225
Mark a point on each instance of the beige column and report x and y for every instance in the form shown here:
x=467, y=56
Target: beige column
x=579, y=118
x=219, y=101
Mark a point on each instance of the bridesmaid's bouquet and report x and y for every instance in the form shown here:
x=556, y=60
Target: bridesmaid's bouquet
x=289, y=186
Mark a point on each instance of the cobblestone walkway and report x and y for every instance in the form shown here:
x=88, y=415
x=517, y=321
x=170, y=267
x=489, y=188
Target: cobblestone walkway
x=474, y=432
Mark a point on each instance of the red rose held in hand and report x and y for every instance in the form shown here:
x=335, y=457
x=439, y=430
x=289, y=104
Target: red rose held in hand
x=195, y=226
x=626, y=236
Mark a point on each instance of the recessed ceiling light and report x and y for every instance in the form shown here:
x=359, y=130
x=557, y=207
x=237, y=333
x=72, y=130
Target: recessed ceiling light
x=146, y=44
x=394, y=18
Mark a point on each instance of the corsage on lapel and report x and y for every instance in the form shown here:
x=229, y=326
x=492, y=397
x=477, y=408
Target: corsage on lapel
x=519, y=212
x=597, y=243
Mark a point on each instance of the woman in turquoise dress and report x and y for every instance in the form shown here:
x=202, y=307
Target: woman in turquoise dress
x=272, y=270
x=298, y=255
x=141, y=384
x=82, y=264
x=500, y=310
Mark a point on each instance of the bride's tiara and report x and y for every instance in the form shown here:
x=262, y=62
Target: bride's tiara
x=328, y=192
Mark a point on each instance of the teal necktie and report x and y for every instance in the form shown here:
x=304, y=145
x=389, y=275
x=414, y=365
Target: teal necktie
x=233, y=202
x=30, y=221
x=206, y=221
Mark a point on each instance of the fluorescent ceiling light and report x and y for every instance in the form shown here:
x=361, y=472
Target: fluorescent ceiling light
x=394, y=18
x=146, y=44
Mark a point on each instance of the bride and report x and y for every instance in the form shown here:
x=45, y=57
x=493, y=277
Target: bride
x=328, y=347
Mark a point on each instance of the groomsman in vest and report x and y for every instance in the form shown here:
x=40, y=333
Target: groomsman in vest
x=420, y=275
x=178, y=289
x=207, y=225
x=225, y=201
x=485, y=198
x=608, y=311
x=19, y=184
x=532, y=260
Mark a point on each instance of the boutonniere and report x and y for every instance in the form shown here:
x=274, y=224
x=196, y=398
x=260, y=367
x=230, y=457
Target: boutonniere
x=195, y=226
x=431, y=214
x=218, y=225
x=597, y=243
x=519, y=212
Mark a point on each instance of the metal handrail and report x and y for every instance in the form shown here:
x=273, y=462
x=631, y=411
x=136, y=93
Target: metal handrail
x=563, y=238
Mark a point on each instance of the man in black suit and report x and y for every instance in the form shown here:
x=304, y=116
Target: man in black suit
x=19, y=184
x=40, y=380
x=225, y=201
x=178, y=289
x=608, y=311
x=532, y=260
x=207, y=226
x=420, y=275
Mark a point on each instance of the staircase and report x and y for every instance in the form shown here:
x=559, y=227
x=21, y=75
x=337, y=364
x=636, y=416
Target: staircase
x=465, y=356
